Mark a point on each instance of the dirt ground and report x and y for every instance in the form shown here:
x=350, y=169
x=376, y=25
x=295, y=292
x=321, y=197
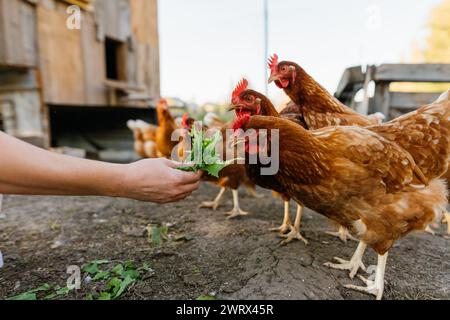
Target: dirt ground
x=238, y=259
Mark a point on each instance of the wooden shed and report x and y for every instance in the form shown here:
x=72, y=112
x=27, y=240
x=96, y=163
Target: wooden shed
x=385, y=99
x=61, y=85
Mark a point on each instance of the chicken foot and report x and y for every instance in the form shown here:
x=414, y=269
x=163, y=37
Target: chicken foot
x=354, y=264
x=295, y=230
x=215, y=203
x=236, y=209
x=375, y=287
x=342, y=234
x=252, y=192
x=447, y=218
x=429, y=230
x=286, y=225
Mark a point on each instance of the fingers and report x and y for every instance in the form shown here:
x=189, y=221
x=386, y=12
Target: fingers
x=172, y=164
x=186, y=178
x=182, y=196
x=183, y=192
x=189, y=187
x=179, y=197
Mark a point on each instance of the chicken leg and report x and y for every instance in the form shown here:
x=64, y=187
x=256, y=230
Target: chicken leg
x=213, y=204
x=236, y=209
x=447, y=218
x=342, y=234
x=286, y=225
x=375, y=287
x=295, y=231
x=251, y=191
x=429, y=230
x=354, y=264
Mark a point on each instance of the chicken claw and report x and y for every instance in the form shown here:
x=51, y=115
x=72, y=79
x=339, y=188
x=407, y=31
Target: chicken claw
x=252, y=192
x=295, y=230
x=213, y=204
x=374, y=287
x=282, y=229
x=429, y=230
x=353, y=265
x=447, y=218
x=294, y=234
x=286, y=225
x=209, y=204
x=342, y=234
x=236, y=209
x=236, y=212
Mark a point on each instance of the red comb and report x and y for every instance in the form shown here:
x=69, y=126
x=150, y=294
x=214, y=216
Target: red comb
x=184, y=120
x=273, y=62
x=241, y=87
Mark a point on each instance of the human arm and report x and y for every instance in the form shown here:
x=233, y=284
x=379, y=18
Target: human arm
x=25, y=169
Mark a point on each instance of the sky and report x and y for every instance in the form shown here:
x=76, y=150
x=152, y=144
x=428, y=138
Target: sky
x=207, y=46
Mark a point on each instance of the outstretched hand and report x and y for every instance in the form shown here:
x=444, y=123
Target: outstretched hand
x=158, y=180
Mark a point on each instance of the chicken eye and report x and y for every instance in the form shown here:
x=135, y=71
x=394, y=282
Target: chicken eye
x=248, y=99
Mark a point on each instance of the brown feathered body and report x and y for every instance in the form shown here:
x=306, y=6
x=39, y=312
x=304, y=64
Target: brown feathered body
x=166, y=127
x=424, y=133
x=144, y=138
x=293, y=112
x=356, y=178
x=318, y=108
x=266, y=108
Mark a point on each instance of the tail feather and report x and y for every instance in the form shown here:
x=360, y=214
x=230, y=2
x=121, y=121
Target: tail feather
x=138, y=124
x=444, y=97
x=131, y=124
x=377, y=117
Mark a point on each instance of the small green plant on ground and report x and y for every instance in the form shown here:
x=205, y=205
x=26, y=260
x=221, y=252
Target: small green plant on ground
x=117, y=279
x=45, y=292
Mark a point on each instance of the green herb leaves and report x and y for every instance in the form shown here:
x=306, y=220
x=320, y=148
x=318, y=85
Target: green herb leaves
x=204, y=154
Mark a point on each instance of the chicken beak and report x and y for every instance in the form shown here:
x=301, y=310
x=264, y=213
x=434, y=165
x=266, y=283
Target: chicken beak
x=273, y=78
x=235, y=107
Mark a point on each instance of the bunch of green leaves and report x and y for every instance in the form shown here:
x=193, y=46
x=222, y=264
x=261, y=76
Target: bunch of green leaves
x=46, y=292
x=118, y=278
x=204, y=155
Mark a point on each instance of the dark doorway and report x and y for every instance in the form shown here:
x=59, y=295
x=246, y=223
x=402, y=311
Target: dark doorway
x=115, y=59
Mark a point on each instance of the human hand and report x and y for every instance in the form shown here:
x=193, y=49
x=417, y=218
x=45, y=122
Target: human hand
x=157, y=180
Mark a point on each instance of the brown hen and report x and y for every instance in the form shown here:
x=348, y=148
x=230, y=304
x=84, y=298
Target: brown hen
x=358, y=179
x=320, y=109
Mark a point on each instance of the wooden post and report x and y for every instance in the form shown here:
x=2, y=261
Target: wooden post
x=382, y=102
x=364, y=107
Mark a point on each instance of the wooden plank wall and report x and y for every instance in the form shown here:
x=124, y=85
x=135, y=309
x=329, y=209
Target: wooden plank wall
x=113, y=19
x=72, y=62
x=144, y=22
x=18, y=38
x=94, y=63
x=61, y=59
